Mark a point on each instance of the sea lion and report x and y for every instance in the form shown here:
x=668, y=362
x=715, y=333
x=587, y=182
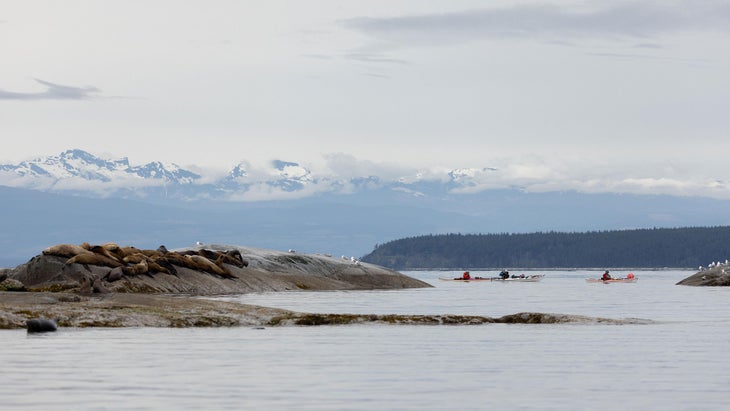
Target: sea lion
x=237, y=255
x=134, y=258
x=111, y=246
x=65, y=250
x=140, y=268
x=162, y=249
x=115, y=250
x=219, y=262
x=155, y=267
x=125, y=251
x=115, y=274
x=151, y=253
x=224, y=257
x=93, y=259
x=101, y=250
x=178, y=260
x=153, y=264
x=206, y=265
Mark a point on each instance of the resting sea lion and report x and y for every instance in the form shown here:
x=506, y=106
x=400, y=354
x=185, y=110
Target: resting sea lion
x=65, y=250
x=155, y=267
x=93, y=259
x=220, y=256
x=155, y=264
x=134, y=258
x=178, y=259
x=151, y=253
x=206, y=265
x=115, y=274
x=125, y=251
x=101, y=250
x=140, y=268
x=237, y=255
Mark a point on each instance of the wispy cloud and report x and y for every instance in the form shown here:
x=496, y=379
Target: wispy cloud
x=53, y=91
x=548, y=22
x=374, y=58
x=376, y=75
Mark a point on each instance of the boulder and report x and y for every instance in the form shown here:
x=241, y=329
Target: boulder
x=11, y=284
x=712, y=277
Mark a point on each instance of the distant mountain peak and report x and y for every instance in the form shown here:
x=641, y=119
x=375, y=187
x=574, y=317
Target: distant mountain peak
x=79, y=164
x=83, y=173
x=240, y=170
x=461, y=173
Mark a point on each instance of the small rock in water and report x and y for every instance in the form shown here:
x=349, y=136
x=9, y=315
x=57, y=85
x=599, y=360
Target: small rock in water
x=41, y=325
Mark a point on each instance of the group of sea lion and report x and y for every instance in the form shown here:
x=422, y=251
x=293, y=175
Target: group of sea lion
x=132, y=261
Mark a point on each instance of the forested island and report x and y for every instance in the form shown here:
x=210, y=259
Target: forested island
x=689, y=247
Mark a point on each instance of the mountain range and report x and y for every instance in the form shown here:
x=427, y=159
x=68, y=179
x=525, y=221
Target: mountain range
x=78, y=172
x=76, y=197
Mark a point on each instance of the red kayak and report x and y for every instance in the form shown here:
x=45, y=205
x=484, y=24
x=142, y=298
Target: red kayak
x=613, y=280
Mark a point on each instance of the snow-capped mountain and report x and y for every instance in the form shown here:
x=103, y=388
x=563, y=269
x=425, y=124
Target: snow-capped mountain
x=78, y=164
x=81, y=173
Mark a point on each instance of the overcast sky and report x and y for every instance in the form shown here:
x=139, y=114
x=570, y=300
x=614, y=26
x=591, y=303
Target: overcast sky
x=594, y=95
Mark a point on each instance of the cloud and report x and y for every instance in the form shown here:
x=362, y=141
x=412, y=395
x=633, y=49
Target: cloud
x=547, y=21
x=374, y=58
x=53, y=92
x=348, y=166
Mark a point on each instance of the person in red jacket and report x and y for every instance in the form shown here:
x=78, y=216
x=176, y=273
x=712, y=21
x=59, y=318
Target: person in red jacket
x=606, y=276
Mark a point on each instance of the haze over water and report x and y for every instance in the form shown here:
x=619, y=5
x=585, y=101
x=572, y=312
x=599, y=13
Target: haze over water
x=675, y=363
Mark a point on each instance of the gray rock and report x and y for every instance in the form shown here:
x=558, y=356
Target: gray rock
x=11, y=284
x=713, y=277
x=41, y=325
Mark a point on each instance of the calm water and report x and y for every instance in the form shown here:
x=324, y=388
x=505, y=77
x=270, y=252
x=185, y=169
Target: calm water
x=678, y=363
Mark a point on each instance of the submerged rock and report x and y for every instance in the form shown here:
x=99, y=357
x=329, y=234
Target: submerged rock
x=145, y=310
x=41, y=325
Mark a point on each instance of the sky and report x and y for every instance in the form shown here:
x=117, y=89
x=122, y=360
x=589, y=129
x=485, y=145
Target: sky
x=625, y=96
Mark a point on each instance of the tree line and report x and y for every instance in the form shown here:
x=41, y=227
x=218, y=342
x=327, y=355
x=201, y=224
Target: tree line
x=688, y=247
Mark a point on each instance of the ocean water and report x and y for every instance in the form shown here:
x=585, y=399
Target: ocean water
x=676, y=363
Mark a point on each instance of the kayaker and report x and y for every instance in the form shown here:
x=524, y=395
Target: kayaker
x=465, y=276
x=504, y=274
x=606, y=276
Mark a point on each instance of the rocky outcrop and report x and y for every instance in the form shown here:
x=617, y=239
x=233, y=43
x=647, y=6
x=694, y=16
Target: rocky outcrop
x=200, y=270
x=152, y=310
x=715, y=276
